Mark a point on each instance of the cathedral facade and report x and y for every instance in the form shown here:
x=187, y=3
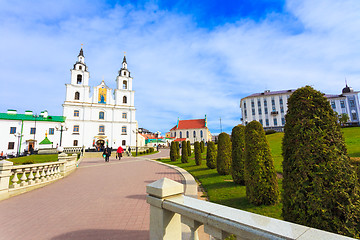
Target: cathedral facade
x=103, y=116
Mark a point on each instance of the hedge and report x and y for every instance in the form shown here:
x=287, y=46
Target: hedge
x=223, y=159
x=211, y=155
x=184, y=154
x=238, y=154
x=197, y=152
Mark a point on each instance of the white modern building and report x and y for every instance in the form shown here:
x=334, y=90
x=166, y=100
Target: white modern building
x=103, y=117
x=191, y=130
x=23, y=132
x=269, y=108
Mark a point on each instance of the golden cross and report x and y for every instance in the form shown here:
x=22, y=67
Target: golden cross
x=82, y=45
x=124, y=53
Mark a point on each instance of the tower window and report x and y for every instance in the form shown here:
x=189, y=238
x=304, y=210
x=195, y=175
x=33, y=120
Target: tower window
x=124, y=84
x=77, y=96
x=124, y=99
x=124, y=115
x=123, y=142
x=101, y=115
x=75, y=143
x=76, y=113
x=80, y=67
x=79, y=79
x=123, y=130
x=101, y=129
x=76, y=129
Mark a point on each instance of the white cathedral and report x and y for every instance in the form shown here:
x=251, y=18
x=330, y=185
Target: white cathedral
x=103, y=117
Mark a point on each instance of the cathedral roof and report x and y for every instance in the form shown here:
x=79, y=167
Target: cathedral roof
x=124, y=60
x=81, y=53
x=190, y=124
x=26, y=117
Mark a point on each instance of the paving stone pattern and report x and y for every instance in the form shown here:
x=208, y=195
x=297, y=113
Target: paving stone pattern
x=98, y=201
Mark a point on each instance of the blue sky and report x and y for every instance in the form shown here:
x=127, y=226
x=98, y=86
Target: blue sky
x=188, y=58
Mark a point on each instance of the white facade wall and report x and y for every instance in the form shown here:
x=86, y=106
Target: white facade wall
x=182, y=133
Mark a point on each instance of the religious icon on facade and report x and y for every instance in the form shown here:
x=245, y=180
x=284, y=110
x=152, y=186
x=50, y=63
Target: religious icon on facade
x=102, y=95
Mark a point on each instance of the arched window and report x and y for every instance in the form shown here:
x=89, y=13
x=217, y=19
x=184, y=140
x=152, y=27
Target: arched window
x=79, y=79
x=124, y=84
x=123, y=142
x=174, y=134
x=77, y=96
x=124, y=99
x=101, y=115
x=123, y=130
x=80, y=67
x=187, y=134
x=180, y=134
x=76, y=113
x=75, y=143
x=101, y=129
x=201, y=134
x=194, y=134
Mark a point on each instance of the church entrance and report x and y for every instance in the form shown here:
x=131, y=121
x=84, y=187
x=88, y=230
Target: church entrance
x=100, y=145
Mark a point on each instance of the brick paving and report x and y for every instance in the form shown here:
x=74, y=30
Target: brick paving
x=98, y=201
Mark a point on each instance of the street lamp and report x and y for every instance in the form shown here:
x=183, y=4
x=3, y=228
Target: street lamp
x=137, y=131
x=61, y=127
x=157, y=142
x=18, y=135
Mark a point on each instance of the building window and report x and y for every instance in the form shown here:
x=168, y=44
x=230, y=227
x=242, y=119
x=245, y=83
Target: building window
x=266, y=110
x=75, y=143
x=76, y=129
x=342, y=104
x=244, y=105
x=101, y=115
x=77, y=96
x=76, y=113
x=79, y=79
x=352, y=103
x=261, y=121
x=253, y=111
x=123, y=130
x=259, y=103
x=259, y=110
x=275, y=122
x=273, y=102
x=201, y=133
x=174, y=134
x=123, y=142
x=12, y=130
x=354, y=117
x=180, y=134
x=194, y=134
x=32, y=130
x=102, y=129
x=124, y=99
x=282, y=109
x=51, y=131
x=281, y=101
x=124, y=115
x=80, y=67
x=245, y=113
x=187, y=134
x=274, y=109
x=252, y=104
x=11, y=145
x=265, y=103
x=267, y=122
x=124, y=84
x=333, y=105
x=283, y=121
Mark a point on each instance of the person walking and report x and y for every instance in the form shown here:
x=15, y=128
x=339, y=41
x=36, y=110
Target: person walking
x=119, y=152
x=129, y=151
x=107, y=154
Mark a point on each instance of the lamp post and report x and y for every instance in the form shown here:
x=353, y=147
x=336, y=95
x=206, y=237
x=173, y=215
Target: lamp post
x=157, y=142
x=35, y=116
x=61, y=127
x=18, y=135
x=137, y=131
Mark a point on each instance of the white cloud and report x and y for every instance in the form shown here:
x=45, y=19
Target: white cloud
x=179, y=70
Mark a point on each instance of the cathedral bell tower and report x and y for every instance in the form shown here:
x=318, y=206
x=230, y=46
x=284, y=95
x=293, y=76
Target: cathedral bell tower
x=123, y=92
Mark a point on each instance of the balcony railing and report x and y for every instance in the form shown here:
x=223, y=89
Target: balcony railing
x=169, y=208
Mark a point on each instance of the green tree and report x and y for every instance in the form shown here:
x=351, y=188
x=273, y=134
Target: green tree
x=211, y=155
x=260, y=176
x=238, y=154
x=343, y=119
x=184, y=154
x=197, y=151
x=223, y=160
x=320, y=186
x=189, y=148
x=202, y=146
x=177, y=144
x=173, y=151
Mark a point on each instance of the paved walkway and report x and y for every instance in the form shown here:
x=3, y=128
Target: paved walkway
x=98, y=201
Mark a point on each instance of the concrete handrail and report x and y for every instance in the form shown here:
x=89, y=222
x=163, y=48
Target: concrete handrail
x=169, y=207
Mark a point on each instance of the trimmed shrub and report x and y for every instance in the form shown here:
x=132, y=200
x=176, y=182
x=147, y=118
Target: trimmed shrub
x=177, y=150
x=238, y=154
x=202, y=146
x=184, y=154
x=223, y=159
x=197, y=152
x=270, y=131
x=211, y=155
x=320, y=186
x=147, y=151
x=173, y=151
x=260, y=176
x=152, y=149
x=188, y=148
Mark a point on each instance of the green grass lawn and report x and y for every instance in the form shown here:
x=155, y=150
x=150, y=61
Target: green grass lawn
x=34, y=158
x=352, y=140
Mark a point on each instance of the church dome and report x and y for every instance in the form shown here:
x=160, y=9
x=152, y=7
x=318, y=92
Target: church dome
x=347, y=89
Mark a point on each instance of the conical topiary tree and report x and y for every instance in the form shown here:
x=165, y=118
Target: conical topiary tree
x=260, y=176
x=223, y=160
x=211, y=155
x=184, y=154
x=189, y=148
x=173, y=151
x=202, y=146
x=320, y=186
x=238, y=154
x=197, y=152
x=177, y=144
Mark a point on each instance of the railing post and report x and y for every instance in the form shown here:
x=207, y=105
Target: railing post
x=164, y=224
x=5, y=173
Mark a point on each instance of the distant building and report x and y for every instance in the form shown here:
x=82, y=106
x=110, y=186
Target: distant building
x=269, y=108
x=191, y=130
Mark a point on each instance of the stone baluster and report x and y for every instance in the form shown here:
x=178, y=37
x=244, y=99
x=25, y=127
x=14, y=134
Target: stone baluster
x=37, y=175
x=164, y=224
x=215, y=233
x=43, y=175
x=5, y=173
x=193, y=225
x=48, y=173
x=31, y=176
x=23, y=178
x=15, y=179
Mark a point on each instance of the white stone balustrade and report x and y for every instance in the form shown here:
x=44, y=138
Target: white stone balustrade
x=169, y=208
x=31, y=176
